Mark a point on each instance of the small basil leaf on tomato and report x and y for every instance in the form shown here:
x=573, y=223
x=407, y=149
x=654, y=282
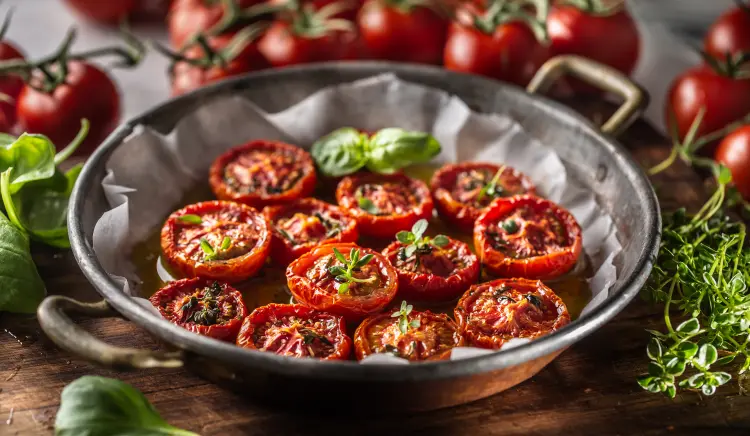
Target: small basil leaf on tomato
x=391, y=149
x=341, y=152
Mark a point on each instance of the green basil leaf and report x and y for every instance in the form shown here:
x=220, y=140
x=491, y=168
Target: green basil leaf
x=96, y=406
x=32, y=157
x=21, y=288
x=392, y=149
x=341, y=152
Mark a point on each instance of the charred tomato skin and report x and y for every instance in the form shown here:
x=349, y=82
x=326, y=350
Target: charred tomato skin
x=423, y=286
x=353, y=308
x=385, y=226
x=171, y=299
x=432, y=329
x=284, y=251
x=542, y=314
x=300, y=160
x=546, y=266
x=278, y=313
x=461, y=214
x=231, y=270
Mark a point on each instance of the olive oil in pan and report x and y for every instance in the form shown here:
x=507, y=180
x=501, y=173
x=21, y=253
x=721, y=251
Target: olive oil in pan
x=269, y=286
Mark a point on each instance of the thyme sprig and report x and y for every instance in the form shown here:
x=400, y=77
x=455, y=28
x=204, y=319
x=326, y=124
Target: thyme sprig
x=416, y=243
x=212, y=253
x=403, y=318
x=701, y=277
x=343, y=274
x=492, y=189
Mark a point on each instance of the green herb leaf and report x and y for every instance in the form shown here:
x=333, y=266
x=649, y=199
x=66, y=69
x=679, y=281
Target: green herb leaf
x=32, y=157
x=707, y=355
x=440, y=241
x=343, y=288
x=21, y=288
x=368, y=206
x=225, y=243
x=405, y=237
x=364, y=261
x=419, y=228
x=510, y=226
x=341, y=152
x=97, y=406
x=403, y=325
x=208, y=250
x=339, y=256
x=724, y=176
x=492, y=189
x=336, y=270
x=190, y=219
x=414, y=323
x=410, y=250
x=654, y=349
x=690, y=326
x=391, y=149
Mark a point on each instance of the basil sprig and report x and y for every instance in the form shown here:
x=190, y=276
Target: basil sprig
x=346, y=150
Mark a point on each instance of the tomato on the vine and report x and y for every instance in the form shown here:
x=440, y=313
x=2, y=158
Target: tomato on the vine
x=202, y=306
x=261, y=173
x=493, y=44
x=218, y=240
x=425, y=335
x=723, y=98
x=297, y=331
x=308, y=35
x=384, y=204
x=103, y=11
x=402, y=30
x=729, y=36
x=490, y=314
x=87, y=92
x=343, y=279
x=188, y=18
x=527, y=236
x=223, y=56
x=734, y=153
x=606, y=35
x=462, y=191
x=301, y=225
x=10, y=87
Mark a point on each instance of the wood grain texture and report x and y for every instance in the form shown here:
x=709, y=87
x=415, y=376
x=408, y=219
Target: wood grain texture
x=589, y=390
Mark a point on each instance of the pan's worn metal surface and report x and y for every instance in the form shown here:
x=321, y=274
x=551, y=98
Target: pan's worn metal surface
x=593, y=157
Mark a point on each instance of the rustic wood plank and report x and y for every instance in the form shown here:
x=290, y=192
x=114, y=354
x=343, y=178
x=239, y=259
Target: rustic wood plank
x=590, y=389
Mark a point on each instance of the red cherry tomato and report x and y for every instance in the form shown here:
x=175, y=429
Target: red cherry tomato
x=510, y=52
x=11, y=86
x=188, y=17
x=217, y=240
x=282, y=45
x=492, y=313
x=611, y=40
x=402, y=32
x=729, y=35
x=103, y=11
x=297, y=331
x=734, y=153
x=303, y=224
x=433, y=273
x=187, y=77
x=261, y=173
x=724, y=99
x=383, y=204
x=527, y=236
x=432, y=339
x=87, y=93
x=311, y=282
x=202, y=306
x=348, y=13
x=462, y=191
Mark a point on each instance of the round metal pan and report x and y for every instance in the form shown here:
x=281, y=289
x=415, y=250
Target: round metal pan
x=591, y=155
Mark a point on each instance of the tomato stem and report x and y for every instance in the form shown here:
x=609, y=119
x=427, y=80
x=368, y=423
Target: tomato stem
x=504, y=11
x=595, y=8
x=235, y=17
x=310, y=23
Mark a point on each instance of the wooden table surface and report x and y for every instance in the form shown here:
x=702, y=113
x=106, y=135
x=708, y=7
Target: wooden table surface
x=589, y=390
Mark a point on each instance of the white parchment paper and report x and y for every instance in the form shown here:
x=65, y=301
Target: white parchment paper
x=149, y=174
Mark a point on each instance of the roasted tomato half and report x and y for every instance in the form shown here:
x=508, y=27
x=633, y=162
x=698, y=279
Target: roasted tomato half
x=433, y=273
x=425, y=336
x=343, y=279
x=219, y=240
x=300, y=226
x=297, y=331
x=206, y=307
x=261, y=173
x=382, y=204
x=462, y=191
x=527, y=236
x=492, y=313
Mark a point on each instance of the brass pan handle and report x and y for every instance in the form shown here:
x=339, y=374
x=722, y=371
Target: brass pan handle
x=601, y=76
x=54, y=319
